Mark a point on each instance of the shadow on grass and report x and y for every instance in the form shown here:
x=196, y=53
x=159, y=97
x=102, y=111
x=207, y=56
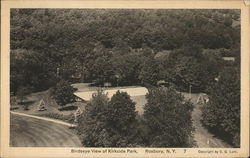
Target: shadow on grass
x=68, y=108
x=28, y=102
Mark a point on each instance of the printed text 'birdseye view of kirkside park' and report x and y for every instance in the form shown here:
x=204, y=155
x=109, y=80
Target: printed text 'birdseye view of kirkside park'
x=125, y=78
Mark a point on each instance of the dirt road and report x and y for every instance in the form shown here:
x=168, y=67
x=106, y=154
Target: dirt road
x=202, y=136
x=32, y=132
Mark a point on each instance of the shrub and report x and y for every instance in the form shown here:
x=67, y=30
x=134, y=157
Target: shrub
x=68, y=118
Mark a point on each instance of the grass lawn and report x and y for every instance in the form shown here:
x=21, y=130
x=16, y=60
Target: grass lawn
x=31, y=132
x=51, y=106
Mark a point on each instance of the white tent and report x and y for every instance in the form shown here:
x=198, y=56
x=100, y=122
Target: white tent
x=77, y=114
x=202, y=99
x=41, y=105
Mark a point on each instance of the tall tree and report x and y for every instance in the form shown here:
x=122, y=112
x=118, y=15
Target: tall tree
x=92, y=122
x=28, y=68
x=121, y=121
x=127, y=69
x=64, y=93
x=168, y=119
x=102, y=70
x=150, y=72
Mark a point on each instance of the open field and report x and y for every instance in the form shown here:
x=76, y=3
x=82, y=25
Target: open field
x=32, y=132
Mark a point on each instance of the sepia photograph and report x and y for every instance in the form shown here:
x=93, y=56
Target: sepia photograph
x=125, y=78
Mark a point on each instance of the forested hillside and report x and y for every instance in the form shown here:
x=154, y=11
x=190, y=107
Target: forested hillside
x=119, y=46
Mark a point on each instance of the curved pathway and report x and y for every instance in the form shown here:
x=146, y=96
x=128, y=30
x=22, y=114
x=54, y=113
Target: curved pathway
x=29, y=131
x=44, y=118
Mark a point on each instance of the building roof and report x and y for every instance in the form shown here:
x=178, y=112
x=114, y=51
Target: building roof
x=162, y=54
x=228, y=58
x=138, y=91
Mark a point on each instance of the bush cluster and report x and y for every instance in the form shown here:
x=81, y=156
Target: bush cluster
x=68, y=118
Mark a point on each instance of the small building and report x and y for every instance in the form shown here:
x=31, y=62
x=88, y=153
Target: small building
x=202, y=99
x=229, y=59
x=162, y=83
x=162, y=54
x=107, y=84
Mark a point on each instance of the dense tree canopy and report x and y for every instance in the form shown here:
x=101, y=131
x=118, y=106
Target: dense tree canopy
x=222, y=113
x=135, y=27
x=27, y=69
x=150, y=72
x=117, y=46
x=127, y=68
x=190, y=66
